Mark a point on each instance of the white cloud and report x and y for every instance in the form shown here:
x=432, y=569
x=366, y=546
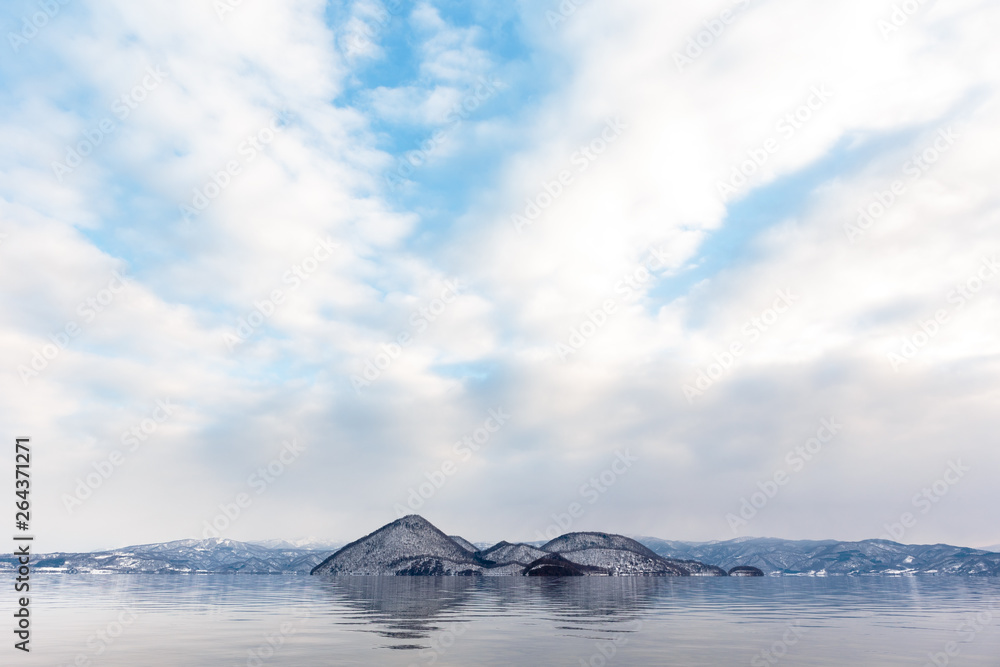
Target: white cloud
x=655, y=184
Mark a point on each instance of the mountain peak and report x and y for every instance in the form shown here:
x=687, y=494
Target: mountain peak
x=410, y=542
x=412, y=521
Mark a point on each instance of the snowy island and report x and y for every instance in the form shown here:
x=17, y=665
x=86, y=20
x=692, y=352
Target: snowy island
x=412, y=546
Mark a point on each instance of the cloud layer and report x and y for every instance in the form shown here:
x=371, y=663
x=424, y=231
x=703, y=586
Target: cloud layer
x=345, y=260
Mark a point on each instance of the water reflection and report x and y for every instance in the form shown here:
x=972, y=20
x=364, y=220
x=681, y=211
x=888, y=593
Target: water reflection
x=399, y=607
x=440, y=617
x=306, y=621
x=415, y=610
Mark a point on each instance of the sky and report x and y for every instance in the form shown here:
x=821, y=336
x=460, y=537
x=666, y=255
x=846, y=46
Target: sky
x=678, y=269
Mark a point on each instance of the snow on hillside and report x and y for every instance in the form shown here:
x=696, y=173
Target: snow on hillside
x=411, y=545
x=505, y=552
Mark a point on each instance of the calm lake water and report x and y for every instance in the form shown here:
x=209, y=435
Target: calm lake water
x=189, y=621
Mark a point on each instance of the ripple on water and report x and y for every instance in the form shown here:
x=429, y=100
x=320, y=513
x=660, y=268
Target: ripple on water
x=303, y=621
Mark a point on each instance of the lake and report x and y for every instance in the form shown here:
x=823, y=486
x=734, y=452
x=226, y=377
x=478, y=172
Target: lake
x=152, y=620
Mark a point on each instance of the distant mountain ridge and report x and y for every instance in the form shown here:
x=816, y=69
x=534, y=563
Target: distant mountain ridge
x=830, y=557
x=772, y=556
x=310, y=543
x=214, y=555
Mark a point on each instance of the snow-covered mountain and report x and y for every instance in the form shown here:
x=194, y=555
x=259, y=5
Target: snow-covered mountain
x=623, y=556
x=416, y=547
x=407, y=546
x=311, y=543
x=413, y=546
x=830, y=557
x=183, y=557
x=505, y=552
x=464, y=543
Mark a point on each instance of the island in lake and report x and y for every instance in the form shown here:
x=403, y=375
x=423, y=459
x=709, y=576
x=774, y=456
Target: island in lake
x=412, y=546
